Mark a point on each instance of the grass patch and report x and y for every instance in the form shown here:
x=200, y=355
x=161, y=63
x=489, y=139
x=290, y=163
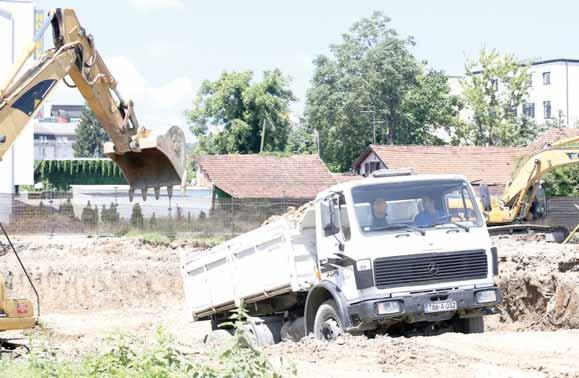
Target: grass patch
x=152, y=238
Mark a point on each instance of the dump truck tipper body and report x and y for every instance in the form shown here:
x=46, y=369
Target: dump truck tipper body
x=393, y=252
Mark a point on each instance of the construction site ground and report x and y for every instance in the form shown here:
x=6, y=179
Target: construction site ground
x=94, y=290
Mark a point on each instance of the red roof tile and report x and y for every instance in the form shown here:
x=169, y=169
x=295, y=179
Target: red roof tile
x=261, y=176
x=553, y=135
x=492, y=165
x=345, y=177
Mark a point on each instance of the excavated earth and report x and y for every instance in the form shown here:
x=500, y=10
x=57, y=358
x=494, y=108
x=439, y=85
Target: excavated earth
x=94, y=289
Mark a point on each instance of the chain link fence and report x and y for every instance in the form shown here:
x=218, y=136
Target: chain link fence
x=562, y=211
x=100, y=214
x=63, y=212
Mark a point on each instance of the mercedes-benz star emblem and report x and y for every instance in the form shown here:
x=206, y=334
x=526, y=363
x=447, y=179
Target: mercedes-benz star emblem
x=433, y=268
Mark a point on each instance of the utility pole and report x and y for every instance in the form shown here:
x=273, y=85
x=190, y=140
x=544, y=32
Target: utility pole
x=262, y=137
x=372, y=110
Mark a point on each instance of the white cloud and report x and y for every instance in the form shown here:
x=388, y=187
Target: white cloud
x=157, y=107
x=148, y=5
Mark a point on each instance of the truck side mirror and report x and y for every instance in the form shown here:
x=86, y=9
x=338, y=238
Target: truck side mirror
x=331, y=229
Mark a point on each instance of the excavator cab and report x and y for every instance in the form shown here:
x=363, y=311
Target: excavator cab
x=539, y=205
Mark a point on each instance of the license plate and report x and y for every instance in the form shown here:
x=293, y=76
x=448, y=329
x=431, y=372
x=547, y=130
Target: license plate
x=440, y=306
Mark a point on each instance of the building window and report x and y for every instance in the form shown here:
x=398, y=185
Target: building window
x=371, y=167
x=547, y=109
x=495, y=84
x=529, y=110
x=530, y=80
x=513, y=111
x=546, y=78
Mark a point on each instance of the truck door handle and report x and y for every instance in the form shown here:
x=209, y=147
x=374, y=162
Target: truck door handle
x=402, y=235
x=453, y=231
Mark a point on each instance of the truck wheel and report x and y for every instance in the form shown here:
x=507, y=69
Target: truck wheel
x=470, y=325
x=328, y=324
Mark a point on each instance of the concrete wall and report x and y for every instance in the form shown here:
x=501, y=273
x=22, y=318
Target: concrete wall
x=17, y=168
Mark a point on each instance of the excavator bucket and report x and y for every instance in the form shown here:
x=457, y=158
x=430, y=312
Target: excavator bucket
x=160, y=162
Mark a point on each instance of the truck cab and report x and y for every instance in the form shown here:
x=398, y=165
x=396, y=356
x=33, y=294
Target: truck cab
x=399, y=252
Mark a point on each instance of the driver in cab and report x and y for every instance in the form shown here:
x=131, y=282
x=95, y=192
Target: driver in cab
x=379, y=213
x=429, y=214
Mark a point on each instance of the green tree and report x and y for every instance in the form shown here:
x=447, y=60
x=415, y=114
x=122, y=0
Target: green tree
x=495, y=88
x=428, y=107
x=371, y=88
x=562, y=181
x=228, y=114
x=90, y=136
x=302, y=139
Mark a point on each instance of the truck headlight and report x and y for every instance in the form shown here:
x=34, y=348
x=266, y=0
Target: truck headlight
x=486, y=296
x=391, y=307
x=362, y=265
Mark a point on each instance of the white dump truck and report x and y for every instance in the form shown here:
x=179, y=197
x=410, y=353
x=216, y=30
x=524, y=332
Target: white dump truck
x=393, y=253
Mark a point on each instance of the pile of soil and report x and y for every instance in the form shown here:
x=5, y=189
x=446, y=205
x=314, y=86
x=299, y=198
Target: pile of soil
x=81, y=273
x=293, y=214
x=540, y=283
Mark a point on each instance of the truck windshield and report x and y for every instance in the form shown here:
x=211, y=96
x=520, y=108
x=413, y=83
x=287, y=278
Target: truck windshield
x=416, y=204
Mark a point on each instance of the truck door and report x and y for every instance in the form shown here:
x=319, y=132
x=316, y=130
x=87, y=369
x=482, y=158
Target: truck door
x=333, y=235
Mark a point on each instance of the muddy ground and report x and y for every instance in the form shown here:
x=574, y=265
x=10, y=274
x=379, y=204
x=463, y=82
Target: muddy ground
x=95, y=289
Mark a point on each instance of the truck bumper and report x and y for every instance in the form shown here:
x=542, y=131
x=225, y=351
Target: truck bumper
x=365, y=315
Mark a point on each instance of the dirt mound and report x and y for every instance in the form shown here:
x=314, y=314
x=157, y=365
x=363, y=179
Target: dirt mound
x=80, y=273
x=539, y=281
x=292, y=214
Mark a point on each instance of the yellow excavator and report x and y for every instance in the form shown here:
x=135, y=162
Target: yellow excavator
x=147, y=159
x=521, y=201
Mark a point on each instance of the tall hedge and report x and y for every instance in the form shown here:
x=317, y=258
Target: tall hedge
x=61, y=174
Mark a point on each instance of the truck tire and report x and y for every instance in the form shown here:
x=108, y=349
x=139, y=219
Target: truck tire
x=218, y=337
x=470, y=325
x=328, y=325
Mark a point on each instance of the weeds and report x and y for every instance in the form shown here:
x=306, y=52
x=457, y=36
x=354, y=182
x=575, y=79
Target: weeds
x=129, y=358
x=152, y=238
x=241, y=358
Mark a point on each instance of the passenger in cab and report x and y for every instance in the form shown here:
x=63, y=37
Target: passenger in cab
x=429, y=213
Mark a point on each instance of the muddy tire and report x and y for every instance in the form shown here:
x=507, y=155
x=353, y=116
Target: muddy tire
x=470, y=325
x=328, y=325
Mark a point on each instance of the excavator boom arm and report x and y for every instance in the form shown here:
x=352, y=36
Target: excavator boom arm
x=147, y=159
x=521, y=191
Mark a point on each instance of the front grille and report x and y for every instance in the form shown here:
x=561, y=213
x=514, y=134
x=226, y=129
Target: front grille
x=430, y=268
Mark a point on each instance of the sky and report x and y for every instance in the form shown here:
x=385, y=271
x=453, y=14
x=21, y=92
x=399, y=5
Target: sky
x=161, y=50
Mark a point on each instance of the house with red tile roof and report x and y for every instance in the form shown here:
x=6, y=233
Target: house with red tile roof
x=553, y=135
x=491, y=165
x=254, y=176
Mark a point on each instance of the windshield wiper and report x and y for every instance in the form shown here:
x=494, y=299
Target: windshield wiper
x=463, y=226
x=399, y=226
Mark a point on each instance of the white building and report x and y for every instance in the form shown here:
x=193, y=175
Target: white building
x=17, y=28
x=54, y=140
x=553, y=94
x=55, y=131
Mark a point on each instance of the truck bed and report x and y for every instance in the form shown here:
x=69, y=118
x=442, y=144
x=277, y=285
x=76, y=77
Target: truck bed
x=274, y=259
